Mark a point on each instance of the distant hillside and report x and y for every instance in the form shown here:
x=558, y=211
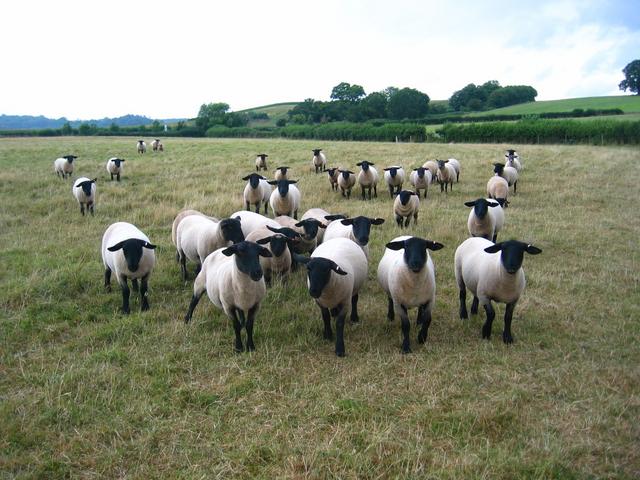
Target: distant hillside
x=275, y=111
x=29, y=122
x=626, y=103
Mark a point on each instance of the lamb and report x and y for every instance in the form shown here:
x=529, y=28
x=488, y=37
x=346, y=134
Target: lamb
x=63, y=166
x=491, y=277
x=115, y=167
x=420, y=178
x=321, y=216
x=433, y=168
x=127, y=252
x=261, y=162
x=408, y=279
x=333, y=177
x=84, y=190
x=197, y=236
x=281, y=173
x=160, y=147
x=356, y=229
x=510, y=174
x=486, y=218
x=179, y=217
x=280, y=244
x=456, y=166
x=257, y=192
x=336, y=271
x=234, y=282
x=346, y=181
x=319, y=160
x=406, y=205
x=285, y=200
x=498, y=189
x=446, y=174
x=251, y=221
x=142, y=147
x=394, y=176
x=308, y=230
x=512, y=159
x=368, y=178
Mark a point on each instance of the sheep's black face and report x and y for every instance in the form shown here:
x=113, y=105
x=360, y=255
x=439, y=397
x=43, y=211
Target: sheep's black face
x=278, y=244
x=361, y=227
x=283, y=188
x=345, y=174
x=319, y=272
x=284, y=170
x=331, y=171
x=415, y=251
x=70, y=158
x=512, y=253
x=420, y=171
x=405, y=196
x=364, y=165
x=254, y=180
x=117, y=161
x=310, y=226
x=231, y=230
x=316, y=151
x=132, y=251
x=86, y=187
x=498, y=168
x=246, y=257
x=441, y=163
x=393, y=171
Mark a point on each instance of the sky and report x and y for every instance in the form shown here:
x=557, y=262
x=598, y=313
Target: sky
x=88, y=60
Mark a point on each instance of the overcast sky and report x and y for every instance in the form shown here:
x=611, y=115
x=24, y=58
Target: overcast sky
x=164, y=59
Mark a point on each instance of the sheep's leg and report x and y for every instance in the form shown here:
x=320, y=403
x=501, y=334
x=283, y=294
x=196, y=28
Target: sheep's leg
x=406, y=222
x=441, y=187
x=82, y=209
x=250, y=319
x=399, y=220
x=391, y=191
x=348, y=194
x=192, y=305
x=340, y=333
x=463, y=302
x=91, y=209
x=125, y=294
x=134, y=285
x=144, y=297
x=375, y=191
x=424, y=317
x=354, y=309
x=295, y=214
x=491, y=314
x=237, y=327
x=342, y=191
x=326, y=319
x=363, y=196
x=515, y=187
x=112, y=177
x=495, y=237
x=415, y=218
x=198, y=268
x=508, y=315
x=257, y=207
x=390, y=310
x=107, y=279
x=457, y=177
x=183, y=265
x=474, y=305
x=247, y=206
x=265, y=207
x=118, y=177
x=406, y=327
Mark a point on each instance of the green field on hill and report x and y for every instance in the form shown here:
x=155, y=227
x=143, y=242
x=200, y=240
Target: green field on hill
x=626, y=103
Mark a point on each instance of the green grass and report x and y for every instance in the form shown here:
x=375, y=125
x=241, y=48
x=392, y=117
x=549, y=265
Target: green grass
x=275, y=111
x=88, y=392
x=627, y=103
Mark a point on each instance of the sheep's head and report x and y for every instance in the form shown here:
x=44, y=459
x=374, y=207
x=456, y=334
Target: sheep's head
x=318, y=272
x=231, y=230
x=512, y=253
x=132, y=251
x=247, y=261
x=405, y=196
x=254, y=179
x=481, y=206
x=361, y=226
x=415, y=251
x=86, y=186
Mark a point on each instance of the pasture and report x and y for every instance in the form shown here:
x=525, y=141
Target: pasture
x=88, y=392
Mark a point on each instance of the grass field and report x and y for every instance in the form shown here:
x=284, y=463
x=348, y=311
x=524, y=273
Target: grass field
x=627, y=103
x=87, y=392
x=275, y=111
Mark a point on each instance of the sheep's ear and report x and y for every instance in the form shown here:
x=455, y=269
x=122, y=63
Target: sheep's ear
x=334, y=217
x=321, y=225
x=292, y=181
x=492, y=205
x=301, y=258
x=300, y=224
x=338, y=270
x=397, y=245
x=238, y=217
x=274, y=230
x=116, y=247
x=494, y=248
x=386, y=169
x=264, y=241
x=150, y=246
x=531, y=250
x=230, y=250
x=94, y=180
x=247, y=177
x=272, y=182
x=471, y=204
x=434, y=245
x=446, y=161
x=359, y=164
x=347, y=221
x=371, y=163
x=122, y=159
x=261, y=177
x=377, y=221
x=264, y=252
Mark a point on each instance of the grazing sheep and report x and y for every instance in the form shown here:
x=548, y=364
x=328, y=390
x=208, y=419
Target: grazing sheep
x=319, y=160
x=197, y=237
x=456, y=166
x=346, y=181
x=486, y=218
x=285, y=200
x=406, y=205
x=261, y=162
x=233, y=280
x=127, y=252
x=394, y=177
x=356, y=229
x=432, y=166
x=498, y=189
x=334, y=174
x=257, y=192
x=446, y=175
x=115, y=167
x=63, y=166
x=179, y=217
x=155, y=144
x=510, y=174
x=491, y=277
x=307, y=228
x=142, y=147
x=408, y=278
x=368, y=178
x=280, y=245
x=281, y=173
x=336, y=271
x=84, y=190
x=321, y=216
x=420, y=178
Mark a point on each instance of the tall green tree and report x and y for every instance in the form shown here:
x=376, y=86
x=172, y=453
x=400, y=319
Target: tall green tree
x=374, y=105
x=211, y=114
x=631, y=80
x=347, y=93
x=408, y=103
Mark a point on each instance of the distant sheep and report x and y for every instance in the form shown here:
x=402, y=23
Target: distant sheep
x=456, y=166
x=261, y=162
x=486, y=218
x=154, y=144
x=250, y=221
x=142, y=147
x=321, y=216
x=432, y=166
x=405, y=206
x=84, y=191
x=346, y=181
x=63, y=166
x=446, y=175
x=115, y=167
x=367, y=178
x=512, y=159
x=394, y=178
x=257, y=192
x=334, y=174
x=319, y=160
x=498, y=189
x=510, y=174
x=281, y=173
x=420, y=178
x=285, y=199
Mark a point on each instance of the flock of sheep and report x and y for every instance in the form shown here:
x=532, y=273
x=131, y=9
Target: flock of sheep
x=237, y=257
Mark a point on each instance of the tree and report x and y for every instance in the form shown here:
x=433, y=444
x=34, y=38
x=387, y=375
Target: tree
x=374, y=105
x=408, y=103
x=511, y=95
x=347, y=93
x=211, y=114
x=631, y=80
x=66, y=129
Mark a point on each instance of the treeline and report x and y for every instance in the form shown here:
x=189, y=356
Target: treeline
x=490, y=95
x=575, y=113
x=596, y=132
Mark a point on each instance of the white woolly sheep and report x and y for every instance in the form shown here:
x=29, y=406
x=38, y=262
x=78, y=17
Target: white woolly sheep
x=433, y=168
x=367, y=178
x=512, y=159
x=115, y=167
x=197, y=237
x=336, y=271
x=307, y=228
x=486, y=218
x=334, y=175
x=285, y=199
x=320, y=215
x=394, y=178
x=156, y=145
x=408, y=278
x=281, y=173
x=420, y=178
x=251, y=221
x=319, y=160
x=257, y=192
x=510, y=174
x=233, y=280
x=456, y=166
x=127, y=252
x=446, y=175
x=498, y=189
x=491, y=277
x=346, y=181
x=178, y=219
x=261, y=162
x=356, y=229
x=84, y=191
x=142, y=147
x=63, y=166
x=405, y=206
x=280, y=245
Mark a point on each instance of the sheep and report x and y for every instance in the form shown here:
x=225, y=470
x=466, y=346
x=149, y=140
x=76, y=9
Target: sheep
x=433, y=168
x=281, y=173
x=408, y=279
x=336, y=271
x=356, y=229
x=285, y=200
x=368, y=178
x=256, y=192
x=456, y=166
x=498, y=189
x=197, y=237
x=486, y=218
x=446, y=174
x=115, y=167
x=319, y=160
x=155, y=144
x=63, y=166
x=512, y=159
x=261, y=162
x=334, y=174
x=420, y=178
x=406, y=205
x=250, y=221
x=160, y=147
x=346, y=181
x=394, y=176
x=491, y=277
x=142, y=147
x=179, y=217
x=510, y=174
x=308, y=228
x=280, y=244
x=320, y=215
x=84, y=190
x=128, y=253
x=234, y=282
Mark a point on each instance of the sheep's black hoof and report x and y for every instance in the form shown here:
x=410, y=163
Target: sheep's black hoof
x=422, y=337
x=238, y=348
x=145, y=306
x=486, y=332
x=340, y=353
x=406, y=350
x=463, y=314
x=125, y=311
x=187, y=318
x=251, y=347
x=507, y=338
